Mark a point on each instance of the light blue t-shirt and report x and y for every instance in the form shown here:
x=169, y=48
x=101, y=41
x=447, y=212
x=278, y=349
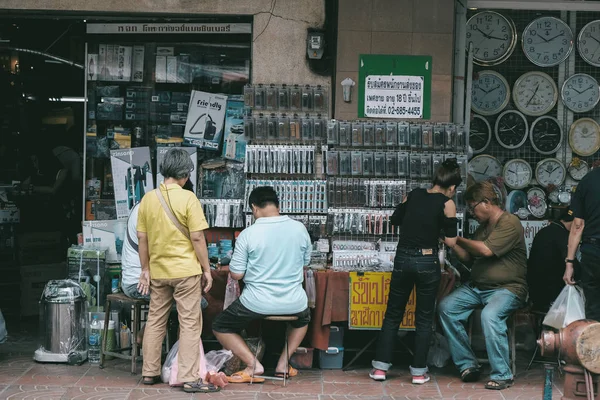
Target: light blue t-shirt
x=272, y=253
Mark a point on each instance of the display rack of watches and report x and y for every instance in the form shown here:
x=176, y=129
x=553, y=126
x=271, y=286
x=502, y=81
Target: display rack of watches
x=360, y=221
x=295, y=196
x=362, y=192
x=294, y=160
x=223, y=213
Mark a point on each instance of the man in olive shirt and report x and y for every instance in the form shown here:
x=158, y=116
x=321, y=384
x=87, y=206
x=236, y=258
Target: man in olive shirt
x=498, y=284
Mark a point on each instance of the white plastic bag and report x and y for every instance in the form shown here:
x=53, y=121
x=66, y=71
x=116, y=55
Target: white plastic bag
x=439, y=352
x=216, y=359
x=568, y=307
x=166, y=369
x=232, y=292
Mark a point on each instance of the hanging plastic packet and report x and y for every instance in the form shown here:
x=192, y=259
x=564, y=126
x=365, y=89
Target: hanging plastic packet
x=283, y=98
x=272, y=96
x=368, y=133
x=249, y=96
x=295, y=98
x=357, y=133
x=403, y=134
x=332, y=132
x=259, y=97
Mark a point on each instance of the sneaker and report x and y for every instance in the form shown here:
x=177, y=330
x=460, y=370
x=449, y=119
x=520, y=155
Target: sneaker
x=420, y=379
x=377, y=375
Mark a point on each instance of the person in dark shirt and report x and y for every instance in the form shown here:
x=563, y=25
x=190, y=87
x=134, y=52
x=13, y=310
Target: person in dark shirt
x=498, y=284
x=545, y=266
x=586, y=231
x=423, y=215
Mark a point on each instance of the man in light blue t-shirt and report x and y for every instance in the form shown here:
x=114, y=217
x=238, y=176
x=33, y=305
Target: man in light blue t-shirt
x=270, y=257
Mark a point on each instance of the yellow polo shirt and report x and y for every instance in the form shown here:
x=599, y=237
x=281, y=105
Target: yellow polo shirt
x=172, y=255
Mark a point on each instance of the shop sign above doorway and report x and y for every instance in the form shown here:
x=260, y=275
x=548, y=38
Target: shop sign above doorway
x=393, y=86
x=173, y=28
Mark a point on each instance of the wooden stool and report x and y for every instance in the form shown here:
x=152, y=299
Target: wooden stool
x=277, y=318
x=512, y=339
x=137, y=304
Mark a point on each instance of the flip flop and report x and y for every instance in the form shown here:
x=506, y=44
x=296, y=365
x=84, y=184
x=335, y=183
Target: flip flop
x=200, y=387
x=243, y=377
x=499, y=384
x=290, y=374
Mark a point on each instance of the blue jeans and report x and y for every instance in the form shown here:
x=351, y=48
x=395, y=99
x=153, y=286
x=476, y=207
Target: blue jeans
x=410, y=269
x=498, y=305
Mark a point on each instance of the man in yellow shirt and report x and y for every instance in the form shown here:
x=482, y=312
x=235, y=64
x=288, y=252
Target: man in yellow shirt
x=174, y=261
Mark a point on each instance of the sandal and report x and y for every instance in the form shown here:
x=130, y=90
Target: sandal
x=290, y=374
x=151, y=380
x=470, y=374
x=200, y=387
x=499, y=384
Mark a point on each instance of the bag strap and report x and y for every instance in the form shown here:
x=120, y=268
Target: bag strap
x=129, y=238
x=170, y=214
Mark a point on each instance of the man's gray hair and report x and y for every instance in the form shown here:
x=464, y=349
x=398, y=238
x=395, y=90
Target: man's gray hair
x=176, y=164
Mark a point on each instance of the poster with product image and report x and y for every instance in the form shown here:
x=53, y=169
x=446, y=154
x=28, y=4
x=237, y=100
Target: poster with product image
x=205, y=120
x=132, y=177
x=234, y=141
x=160, y=156
x=108, y=235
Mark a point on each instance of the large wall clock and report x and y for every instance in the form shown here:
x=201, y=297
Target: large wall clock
x=588, y=43
x=490, y=93
x=535, y=93
x=546, y=135
x=511, y=129
x=493, y=35
x=580, y=93
x=547, y=41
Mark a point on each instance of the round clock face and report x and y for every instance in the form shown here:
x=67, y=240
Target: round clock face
x=517, y=174
x=546, y=135
x=490, y=93
x=483, y=167
x=511, y=129
x=580, y=93
x=538, y=209
x=480, y=134
x=588, y=43
x=578, y=169
x=494, y=37
x=564, y=197
x=553, y=196
x=550, y=172
x=534, y=194
x=584, y=137
x=547, y=41
x=535, y=93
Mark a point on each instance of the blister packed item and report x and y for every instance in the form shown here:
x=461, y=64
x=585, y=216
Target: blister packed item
x=403, y=171
x=332, y=132
x=263, y=159
x=427, y=136
x=223, y=213
x=295, y=196
x=368, y=163
x=415, y=136
x=357, y=167
x=260, y=97
x=403, y=134
x=344, y=133
x=345, y=163
x=438, y=137
x=283, y=97
x=379, y=163
x=391, y=134
x=332, y=163
x=272, y=95
x=391, y=164
x=368, y=133
x=307, y=98
x=353, y=221
x=357, y=134
x=222, y=180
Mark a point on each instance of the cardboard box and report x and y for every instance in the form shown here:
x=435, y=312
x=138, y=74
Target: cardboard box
x=132, y=177
x=33, y=281
x=106, y=234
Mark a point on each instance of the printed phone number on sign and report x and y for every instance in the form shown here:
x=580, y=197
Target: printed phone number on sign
x=392, y=110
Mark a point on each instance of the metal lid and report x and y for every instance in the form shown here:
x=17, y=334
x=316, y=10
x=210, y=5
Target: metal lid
x=63, y=291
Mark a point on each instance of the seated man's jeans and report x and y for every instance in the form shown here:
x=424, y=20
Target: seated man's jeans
x=132, y=291
x=498, y=305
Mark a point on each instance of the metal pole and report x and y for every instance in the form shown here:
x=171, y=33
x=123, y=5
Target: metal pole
x=460, y=55
x=469, y=82
x=85, y=118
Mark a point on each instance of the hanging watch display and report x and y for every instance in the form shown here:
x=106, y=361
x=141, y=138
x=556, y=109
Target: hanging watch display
x=547, y=41
x=588, y=43
x=584, y=137
x=538, y=208
x=517, y=174
x=511, y=129
x=480, y=134
x=546, y=135
x=550, y=172
x=490, y=93
x=580, y=93
x=483, y=167
x=535, y=93
x=493, y=35
x=578, y=169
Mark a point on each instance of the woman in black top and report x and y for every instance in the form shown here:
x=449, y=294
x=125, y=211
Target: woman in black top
x=423, y=215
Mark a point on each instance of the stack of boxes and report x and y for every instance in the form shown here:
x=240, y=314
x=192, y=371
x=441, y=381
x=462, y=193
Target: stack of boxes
x=333, y=357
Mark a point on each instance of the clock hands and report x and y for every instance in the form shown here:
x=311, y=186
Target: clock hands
x=562, y=34
x=534, y=93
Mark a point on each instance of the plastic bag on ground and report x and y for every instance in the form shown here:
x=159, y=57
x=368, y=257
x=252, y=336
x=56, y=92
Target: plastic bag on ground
x=216, y=359
x=167, y=366
x=568, y=307
x=439, y=352
x=206, y=373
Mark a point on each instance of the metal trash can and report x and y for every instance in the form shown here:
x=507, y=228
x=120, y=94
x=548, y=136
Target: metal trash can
x=64, y=312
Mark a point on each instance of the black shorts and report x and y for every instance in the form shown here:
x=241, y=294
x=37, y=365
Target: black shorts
x=237, y=317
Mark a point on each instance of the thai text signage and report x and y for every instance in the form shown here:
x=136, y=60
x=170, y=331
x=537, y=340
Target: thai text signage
x=389, y=96
x=368, y=301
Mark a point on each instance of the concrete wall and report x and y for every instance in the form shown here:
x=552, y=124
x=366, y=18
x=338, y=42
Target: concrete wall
x=278, y=54
x=401, y=27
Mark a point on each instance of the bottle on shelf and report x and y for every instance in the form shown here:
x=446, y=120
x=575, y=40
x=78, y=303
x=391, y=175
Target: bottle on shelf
x=94, y=342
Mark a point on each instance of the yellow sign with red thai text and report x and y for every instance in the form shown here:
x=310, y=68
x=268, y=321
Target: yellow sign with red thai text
x=368, y=301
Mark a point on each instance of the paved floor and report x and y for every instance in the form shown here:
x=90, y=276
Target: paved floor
x=23, y=379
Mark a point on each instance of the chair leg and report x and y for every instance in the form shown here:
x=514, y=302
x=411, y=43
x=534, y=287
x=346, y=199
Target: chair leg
x=513, y=343
x=134, y=344
x=287, y=357
x=256, y=352
x=105, y=332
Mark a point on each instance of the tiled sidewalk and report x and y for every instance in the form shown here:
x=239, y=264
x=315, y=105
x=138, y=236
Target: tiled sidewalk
x=23, y=379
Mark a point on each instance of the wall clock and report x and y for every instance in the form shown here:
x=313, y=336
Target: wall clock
x=517, y=173
x=483, y=167
x=578, y=169
x=546, y=135
x=535, y=193
x=480, y=134
x=547, y=41
x=588, y=43
x=493, y=35
x=490, y=93
x=511, y=129
x=584, y=137
x=550, y=172
x=538, y=209
x=580, y=93
x=535, y=93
